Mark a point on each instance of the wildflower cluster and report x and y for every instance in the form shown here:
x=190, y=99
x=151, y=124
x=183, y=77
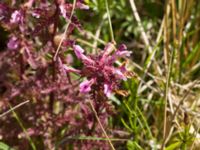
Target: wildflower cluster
x=58, y=102
x=99, y=70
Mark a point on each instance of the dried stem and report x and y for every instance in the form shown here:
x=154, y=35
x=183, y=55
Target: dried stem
x=13, y=108
x=64, y=34
x=137, y=17
x=95, y=113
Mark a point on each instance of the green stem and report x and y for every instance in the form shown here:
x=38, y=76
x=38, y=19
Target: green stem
x=22, y=126
x=109, y=20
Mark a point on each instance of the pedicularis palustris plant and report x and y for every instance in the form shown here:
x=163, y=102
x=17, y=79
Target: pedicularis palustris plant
x=58, y=91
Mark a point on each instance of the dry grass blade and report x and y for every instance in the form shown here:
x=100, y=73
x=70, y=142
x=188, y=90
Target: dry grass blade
x=95, y=113
x=14, y=108
x=64, y=34
x=137, y=17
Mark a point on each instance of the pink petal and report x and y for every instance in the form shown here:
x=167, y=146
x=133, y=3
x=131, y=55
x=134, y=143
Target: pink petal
x=30, y=58
x=107, y=90
x=70, y=69
x=82, y=6
x=63, y=11
x=79, y=53
x=85, y=86
x=122, y=47
x=108, y=49
x=120, y=74
x=13, y=43
x=16, y=17
x=123, y=53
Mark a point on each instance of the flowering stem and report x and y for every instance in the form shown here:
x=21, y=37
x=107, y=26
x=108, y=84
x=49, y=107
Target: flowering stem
x=52, y=94
x=102, y=128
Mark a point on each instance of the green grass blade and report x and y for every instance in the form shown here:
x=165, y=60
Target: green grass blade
x=23, y=128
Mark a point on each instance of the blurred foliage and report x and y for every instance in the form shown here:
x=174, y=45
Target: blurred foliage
x=124, y=25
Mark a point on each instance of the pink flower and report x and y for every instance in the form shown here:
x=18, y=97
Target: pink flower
x=36, y=15
x=82, y=6
x=123, y=53
x=120, y=74
x=85, y=86
x=16, y=17
x=107, y=51
x=79, y=53
x=13, y=43
x=63, y=11
x=107, y=90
